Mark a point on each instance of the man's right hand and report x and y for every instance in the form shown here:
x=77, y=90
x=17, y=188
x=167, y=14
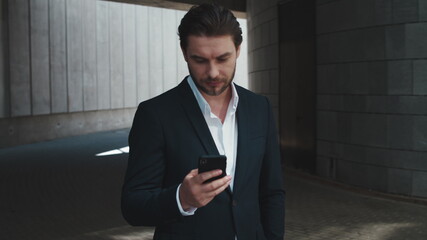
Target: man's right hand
x=194, y=193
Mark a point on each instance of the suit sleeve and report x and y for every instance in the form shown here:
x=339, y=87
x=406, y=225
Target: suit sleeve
x=272, y=195
x=144, y=199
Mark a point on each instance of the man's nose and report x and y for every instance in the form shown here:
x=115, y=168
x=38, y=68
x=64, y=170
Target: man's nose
x=213, y=71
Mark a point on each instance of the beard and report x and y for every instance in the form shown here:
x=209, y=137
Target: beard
x=211, y=91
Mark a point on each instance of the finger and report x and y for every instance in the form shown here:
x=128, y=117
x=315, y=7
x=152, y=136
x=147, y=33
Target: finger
x=192, y=173
x=221, y=187
x=217, y=184
x=208, y=175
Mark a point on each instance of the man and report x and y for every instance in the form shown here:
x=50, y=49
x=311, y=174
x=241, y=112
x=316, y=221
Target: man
x=206, y=114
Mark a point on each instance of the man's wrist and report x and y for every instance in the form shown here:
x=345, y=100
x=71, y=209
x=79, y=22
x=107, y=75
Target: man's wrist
x=185, y=209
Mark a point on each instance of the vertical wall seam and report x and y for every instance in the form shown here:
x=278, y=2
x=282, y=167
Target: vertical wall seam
x=66, y=58
x=30, y=75
x=82, y=12
x=50, y=60
x=148, y=51
x=109, y=53
x=162, y=48
x=96, y=57
x=135, y=103
x=123, y=56
x=6, y=64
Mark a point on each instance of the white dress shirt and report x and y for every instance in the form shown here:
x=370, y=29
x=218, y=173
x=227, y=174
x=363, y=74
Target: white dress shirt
x=224, y=134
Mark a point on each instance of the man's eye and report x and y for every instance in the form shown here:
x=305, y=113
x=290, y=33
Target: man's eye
x=222, y=59
x=199, y=60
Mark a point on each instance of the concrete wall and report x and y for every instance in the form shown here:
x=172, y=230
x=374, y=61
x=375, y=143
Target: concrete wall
x=372, y=93
x=4, y=99
x=263, y=49
x=67, y=57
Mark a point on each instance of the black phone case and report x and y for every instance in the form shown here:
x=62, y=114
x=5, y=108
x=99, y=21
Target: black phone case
x=212, y=162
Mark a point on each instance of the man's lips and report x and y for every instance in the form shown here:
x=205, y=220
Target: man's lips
x=214, y=83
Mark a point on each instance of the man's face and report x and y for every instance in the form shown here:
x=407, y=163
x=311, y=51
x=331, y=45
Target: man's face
x=211, y=62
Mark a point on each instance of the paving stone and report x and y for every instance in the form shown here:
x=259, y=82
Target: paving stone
x=60, y=190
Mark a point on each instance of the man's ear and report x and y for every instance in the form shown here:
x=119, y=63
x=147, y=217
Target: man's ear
x=184, y=53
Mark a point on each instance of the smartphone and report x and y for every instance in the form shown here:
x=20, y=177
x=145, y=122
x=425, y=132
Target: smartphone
x=212, y=162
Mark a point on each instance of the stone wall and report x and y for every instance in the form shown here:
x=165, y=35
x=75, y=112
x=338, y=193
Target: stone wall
x=263, y=49
x=372, y=93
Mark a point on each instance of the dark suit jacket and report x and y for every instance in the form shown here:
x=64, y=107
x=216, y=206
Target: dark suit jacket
x=168, y=135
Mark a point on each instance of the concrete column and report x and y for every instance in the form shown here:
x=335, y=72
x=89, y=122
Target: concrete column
x=263, y=49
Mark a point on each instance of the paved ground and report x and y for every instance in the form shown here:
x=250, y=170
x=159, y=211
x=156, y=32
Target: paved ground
x=61, y=190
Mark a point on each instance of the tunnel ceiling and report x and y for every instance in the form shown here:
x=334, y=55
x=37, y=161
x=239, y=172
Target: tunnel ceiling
x=235, y=5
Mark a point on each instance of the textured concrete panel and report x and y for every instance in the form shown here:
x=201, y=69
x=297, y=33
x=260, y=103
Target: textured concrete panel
x=142, y=58
x=354, y=153
x=326, y=74
x=40, y=82
x=353, y=103
x=405, y=11
x=364, y=78
x=273, y=32
x=103, y=54
x=344, y=125
x=405, y=105
x=420, y=133
x=58, y=58
x=369, y=129
x=422, y=10
x=399, y=132
x=399, y=77
x=344, y=15
x=379, y=156
x=267, y=14
x=170, y=49
x=274, y=82
x=420, y=77
x=129, y=56
x=116, y=54
x=416, y=39
x=90, y=92
x=368, y=176
x=399, y=181
x=395, y=42
x=383, y=12
x=366, y=44
x=4, y=84
x=419, y=186
x=327, y=125
x=155, y=51
x=75, y=55
x=324, y=168
x=19, y=52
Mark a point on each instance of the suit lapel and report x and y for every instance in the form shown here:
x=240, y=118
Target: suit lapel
x=242, y=142
x=195, y=116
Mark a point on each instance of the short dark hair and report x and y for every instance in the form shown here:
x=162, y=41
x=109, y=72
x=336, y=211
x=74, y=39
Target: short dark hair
x=209, y=19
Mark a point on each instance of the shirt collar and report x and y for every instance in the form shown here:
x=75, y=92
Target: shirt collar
x=203, y=104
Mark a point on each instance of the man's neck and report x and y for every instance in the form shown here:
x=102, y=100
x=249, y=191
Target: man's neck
x=219, y=104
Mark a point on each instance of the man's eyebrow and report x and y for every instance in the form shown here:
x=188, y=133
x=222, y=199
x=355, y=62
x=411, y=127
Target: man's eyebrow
x=196, y=57
x=227, y=54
